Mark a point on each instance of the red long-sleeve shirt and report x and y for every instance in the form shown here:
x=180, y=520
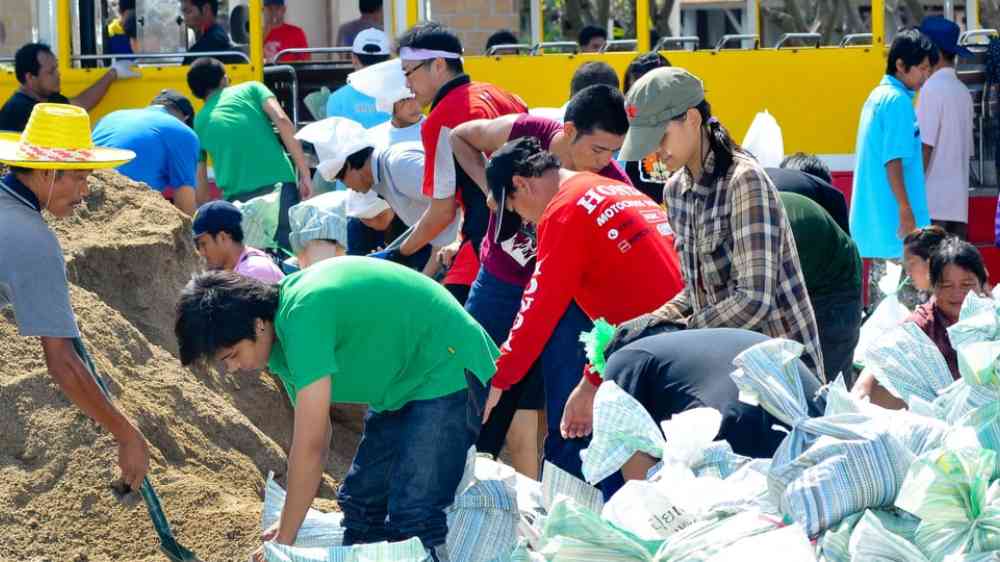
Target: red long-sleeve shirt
x=602, y=243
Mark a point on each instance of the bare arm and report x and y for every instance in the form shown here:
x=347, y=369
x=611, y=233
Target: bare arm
x=77, y=383
x=894, y=170
x=470, y=140
x=286, y=130
x=310, y=449
x=928, y=152
x=186, y=200
x=435, y=219
x=202, y=192
x=89, y=98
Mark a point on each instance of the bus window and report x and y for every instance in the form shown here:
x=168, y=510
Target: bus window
x=26, y=21
x=900, y=14
x=814, y=22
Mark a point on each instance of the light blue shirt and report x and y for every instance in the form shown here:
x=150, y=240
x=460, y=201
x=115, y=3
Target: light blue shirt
x=887, y=131
x=166, y=149
x=349, y=103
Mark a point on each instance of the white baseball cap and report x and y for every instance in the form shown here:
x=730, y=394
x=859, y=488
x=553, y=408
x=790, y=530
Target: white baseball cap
x=335, y=138
x=372, y=41
x=367, y=205
x=384, y=81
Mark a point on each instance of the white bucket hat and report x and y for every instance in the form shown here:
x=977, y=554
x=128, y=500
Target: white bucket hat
x=384, y=81
x=366, y=205
x=335, y=138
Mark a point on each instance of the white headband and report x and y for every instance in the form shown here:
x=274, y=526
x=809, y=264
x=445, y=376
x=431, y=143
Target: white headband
x=409, y=53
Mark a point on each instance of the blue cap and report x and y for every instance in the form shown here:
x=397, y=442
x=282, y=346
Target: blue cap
x=216, y=216
x=944, y=33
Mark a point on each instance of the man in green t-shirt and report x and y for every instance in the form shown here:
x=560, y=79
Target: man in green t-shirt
x=831, y=266
x=236, y=129
x=357, y=330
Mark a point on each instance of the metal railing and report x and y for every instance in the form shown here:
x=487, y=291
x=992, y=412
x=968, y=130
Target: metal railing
x=856, y=38
x=288, y=69
x=727, y=39
x=679, y=41
x=508, y=48
x=163, y=56
x=566, y=46
x=786, y=37
x=963, y=39
x=620, y=45
x=310, y=51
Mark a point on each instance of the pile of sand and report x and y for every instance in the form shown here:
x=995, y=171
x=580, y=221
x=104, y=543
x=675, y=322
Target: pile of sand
x=213, y=436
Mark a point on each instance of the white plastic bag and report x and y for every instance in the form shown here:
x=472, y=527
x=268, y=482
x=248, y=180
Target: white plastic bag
x=260, y=219
x=888, y=314
x=764, y=140
x=787, y=544
x=642, y=509
x=318, y=530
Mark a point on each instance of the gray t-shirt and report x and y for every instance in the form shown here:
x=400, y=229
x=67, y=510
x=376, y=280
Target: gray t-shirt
x=399, y=179
x=33, y=272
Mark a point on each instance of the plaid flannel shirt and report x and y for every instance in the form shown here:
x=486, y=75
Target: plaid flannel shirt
x=739, y=260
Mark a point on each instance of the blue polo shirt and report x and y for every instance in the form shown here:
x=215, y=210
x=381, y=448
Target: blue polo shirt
x=887, y=131
x=166, y=149
x=351, y=104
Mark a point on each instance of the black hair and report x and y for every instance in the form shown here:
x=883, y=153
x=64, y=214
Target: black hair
x=598, y=107
x=533, y=160
x=592, y=73
x=217, y=309
x=368, y=60
x=126, y=5
x=500, y=37
x=214, y=4
x=234, y=231
x=26, y=60
x=912, y=47
x=958, y=252
x=589, y=32
x=355, y=161
x=642, y=64
x=720, y=142
x=923, y=242
x=204, y=76
x=19, y=171
x=434, y=36
x=369, y=6
x=809, y=164
x=948, y=57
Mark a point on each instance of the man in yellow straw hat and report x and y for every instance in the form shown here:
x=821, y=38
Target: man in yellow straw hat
x=49, y=165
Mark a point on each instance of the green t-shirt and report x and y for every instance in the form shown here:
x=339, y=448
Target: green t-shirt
x=385, y=334
x=236, y=132
x=830, y=260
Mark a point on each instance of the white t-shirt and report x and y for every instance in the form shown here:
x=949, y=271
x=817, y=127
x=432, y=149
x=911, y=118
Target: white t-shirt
x=944, y=114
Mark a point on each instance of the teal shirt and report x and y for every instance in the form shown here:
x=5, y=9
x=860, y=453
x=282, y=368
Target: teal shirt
x=386, y=335
x=887, y=131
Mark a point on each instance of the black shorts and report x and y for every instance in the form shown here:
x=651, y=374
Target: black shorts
x=528, y=394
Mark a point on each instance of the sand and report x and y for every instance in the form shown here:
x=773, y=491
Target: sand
x=213, y=436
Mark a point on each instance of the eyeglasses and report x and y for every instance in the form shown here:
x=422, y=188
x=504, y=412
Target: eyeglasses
x=407, y=73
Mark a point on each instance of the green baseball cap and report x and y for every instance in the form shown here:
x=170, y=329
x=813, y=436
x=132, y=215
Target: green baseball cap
x=655, y=99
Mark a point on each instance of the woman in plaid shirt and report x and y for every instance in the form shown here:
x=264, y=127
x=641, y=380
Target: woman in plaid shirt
x=738, y=256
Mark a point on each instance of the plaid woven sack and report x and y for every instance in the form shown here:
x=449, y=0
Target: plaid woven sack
x=407, y=551
x=482, y=523
x=907, y=363
x=959, y=511
x=318, y=529
x=871, y=540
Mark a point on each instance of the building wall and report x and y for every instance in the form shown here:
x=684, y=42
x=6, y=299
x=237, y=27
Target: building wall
x=476, y=20
x=17, y=23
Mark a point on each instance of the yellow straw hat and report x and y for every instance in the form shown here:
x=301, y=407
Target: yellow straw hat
x=57, y=137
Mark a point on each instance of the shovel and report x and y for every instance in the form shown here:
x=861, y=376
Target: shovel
x=168, y=544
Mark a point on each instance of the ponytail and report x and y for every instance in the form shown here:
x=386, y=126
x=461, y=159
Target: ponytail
x=720, y=142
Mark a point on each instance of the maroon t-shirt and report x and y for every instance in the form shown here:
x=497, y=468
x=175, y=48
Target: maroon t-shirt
x=513, y=260
x=931, y=321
